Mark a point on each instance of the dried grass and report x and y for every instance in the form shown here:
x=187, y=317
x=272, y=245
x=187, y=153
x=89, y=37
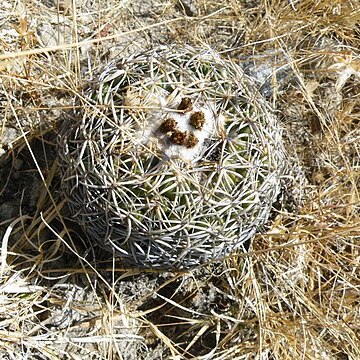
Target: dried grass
x=295, y=294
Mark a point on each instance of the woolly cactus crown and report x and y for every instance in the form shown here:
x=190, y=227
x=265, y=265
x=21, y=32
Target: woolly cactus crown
x=175, y=161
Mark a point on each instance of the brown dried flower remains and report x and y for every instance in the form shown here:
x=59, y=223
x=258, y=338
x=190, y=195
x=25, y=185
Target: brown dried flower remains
x=188, y=139
x=192, y=140
x=184, y=138
x=185, y=104
x=179, y=137
x=197, y=120
x=168, y=126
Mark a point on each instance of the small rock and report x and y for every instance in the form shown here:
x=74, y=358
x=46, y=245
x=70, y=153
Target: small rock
x=49, y=36
x=188, y=6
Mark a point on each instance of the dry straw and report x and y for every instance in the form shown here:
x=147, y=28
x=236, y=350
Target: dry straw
x=174, y=159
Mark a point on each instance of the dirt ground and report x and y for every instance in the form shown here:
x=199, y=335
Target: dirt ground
x=294, y=294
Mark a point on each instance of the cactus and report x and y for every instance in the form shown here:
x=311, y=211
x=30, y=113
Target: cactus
x=174, y=161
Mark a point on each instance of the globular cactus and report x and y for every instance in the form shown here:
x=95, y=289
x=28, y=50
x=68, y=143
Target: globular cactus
x=175, y=159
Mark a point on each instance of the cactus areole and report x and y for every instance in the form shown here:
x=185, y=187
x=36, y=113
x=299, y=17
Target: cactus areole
x=174, y=160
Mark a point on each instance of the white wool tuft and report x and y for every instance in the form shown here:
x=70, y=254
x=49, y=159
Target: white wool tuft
x=213, y=122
